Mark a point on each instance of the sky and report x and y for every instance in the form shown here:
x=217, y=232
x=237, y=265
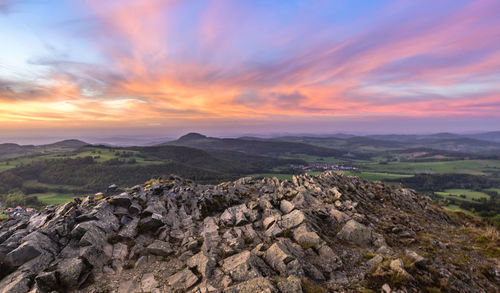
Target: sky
x=166, y=67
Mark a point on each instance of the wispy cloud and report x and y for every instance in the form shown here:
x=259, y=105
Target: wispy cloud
x=165, y=61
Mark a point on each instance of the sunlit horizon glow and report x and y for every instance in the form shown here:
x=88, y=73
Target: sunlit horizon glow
x=250, y=66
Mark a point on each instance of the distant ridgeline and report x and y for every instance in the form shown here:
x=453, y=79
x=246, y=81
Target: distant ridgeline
x=460, y=172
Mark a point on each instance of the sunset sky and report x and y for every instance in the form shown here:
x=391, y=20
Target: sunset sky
x=228, y=66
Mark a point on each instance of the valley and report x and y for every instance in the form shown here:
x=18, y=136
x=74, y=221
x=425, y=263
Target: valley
x=467, y=180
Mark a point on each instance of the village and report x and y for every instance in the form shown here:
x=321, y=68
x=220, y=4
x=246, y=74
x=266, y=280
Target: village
x=323, y=167
x=16, y=211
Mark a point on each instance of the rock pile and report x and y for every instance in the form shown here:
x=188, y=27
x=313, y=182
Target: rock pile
x=326, y=233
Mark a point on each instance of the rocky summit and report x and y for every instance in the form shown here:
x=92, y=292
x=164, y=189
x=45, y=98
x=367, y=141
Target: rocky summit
x=325, y=233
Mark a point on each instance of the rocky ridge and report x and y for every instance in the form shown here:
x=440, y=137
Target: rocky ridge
x=326, y=233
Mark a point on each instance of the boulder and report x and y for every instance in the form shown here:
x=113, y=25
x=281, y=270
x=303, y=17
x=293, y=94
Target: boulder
x=150, y=224
x=278, y=257
x=202, y=263
x=360, y=235
x=291, y=284
x=121, y=200
x=245, y=266
x=160, y=248
x=182, y=280
x=292, y=219
x=120, y=251
x=27, y=251
x=17, y=282
x=254, y=285
x=234, y=215
x=72, y=272
x=303, y=236
x=286, y=206
x=47, y=281
x=129, y=286
x=148, y=283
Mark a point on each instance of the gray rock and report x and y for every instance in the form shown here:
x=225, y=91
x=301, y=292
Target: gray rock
x=255, y=285
x=273, y=231
x=72, y=272
x=160, y=248
x=129, y=286
x=148, y=283
x=286, y=206
x=291, y=284
x=47, y=281
x=278, y=257
x=120, y=251
x=203, y=264
x=25, y=252
x=386, y=288
x=360, y=235
x=121, y=200
x=17, y=282
x=303, y=236
x=268, y=221
x=375, y=260
x=245, y=266
x=129, y=230
x=182, y=280
x=292, y=219
x=150, y=224
x=235, y=215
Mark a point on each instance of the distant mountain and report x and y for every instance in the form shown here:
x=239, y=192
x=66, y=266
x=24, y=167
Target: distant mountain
x=489, y=136
x=69, y=143
x=247, y=145
x=12, y=150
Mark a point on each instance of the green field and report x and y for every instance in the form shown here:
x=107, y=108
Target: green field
x=100, y=155
x=497, y=190
x=470, y=195
x=456, y=208
x=54, y=198
x=473, y=167
x=376, y=175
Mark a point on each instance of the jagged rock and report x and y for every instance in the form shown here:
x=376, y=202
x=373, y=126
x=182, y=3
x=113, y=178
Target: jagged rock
x=286, y=206
x=182, y=280
x=268, y=221
x=273, y=231
x=419, y=260
x=47, y=281
x=17, y=282
x=244, y=266
x=259, y=247
x=360, y=234
x=128, y=286
x=129, y=230
x=148, y=282
x=160, y=248
x=292, y=219
x=121, y=200
x=234, y=215
x=278, y=257
x=386, y=288
x=303, y=236
x=120, y=251
x=255, y=285
x=72, y=272
x=203, y=264
x=150, y=223
x=398, y=266
x=291, y=284
x=375, y=260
